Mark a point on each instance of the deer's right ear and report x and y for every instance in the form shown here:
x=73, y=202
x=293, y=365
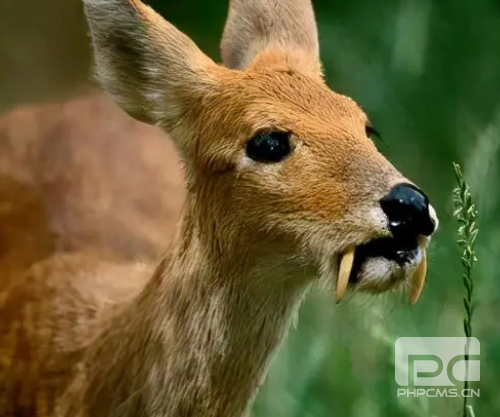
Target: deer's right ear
x=151, y=69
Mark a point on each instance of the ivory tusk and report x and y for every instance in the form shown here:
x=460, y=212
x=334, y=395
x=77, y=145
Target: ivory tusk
x=344, y=273
x=418, y=279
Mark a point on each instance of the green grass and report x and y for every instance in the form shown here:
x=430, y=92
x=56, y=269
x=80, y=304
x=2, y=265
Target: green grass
x=466, y=214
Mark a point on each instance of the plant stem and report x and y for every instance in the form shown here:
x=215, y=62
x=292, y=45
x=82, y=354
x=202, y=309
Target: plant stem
x=466, y=213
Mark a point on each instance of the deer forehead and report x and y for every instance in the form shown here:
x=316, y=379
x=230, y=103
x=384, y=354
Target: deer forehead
x=281, y=99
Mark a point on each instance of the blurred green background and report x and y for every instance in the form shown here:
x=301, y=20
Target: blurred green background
x=428, y=74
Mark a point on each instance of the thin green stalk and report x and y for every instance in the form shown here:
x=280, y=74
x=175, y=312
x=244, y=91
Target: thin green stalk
x=466, y=214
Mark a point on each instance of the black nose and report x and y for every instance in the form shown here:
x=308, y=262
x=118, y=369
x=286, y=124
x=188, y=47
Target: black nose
x=407, y=209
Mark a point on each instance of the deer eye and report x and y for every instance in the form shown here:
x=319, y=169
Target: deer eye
x=269, y=146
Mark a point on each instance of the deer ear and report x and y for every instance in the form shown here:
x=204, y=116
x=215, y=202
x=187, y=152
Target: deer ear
x=152, y=70
x=256, y=26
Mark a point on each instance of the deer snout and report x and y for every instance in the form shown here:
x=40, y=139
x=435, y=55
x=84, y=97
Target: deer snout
x=408, y=211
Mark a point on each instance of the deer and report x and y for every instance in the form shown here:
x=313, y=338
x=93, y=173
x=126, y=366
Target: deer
x=284, y=188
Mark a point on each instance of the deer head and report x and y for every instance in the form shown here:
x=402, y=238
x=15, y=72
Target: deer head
x=276, y=162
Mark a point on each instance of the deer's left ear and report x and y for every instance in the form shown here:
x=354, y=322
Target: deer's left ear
x=151, y=69
x=285, y=29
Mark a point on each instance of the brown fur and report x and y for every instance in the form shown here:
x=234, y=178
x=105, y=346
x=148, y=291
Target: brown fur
x=87, y=332
x=80, y=183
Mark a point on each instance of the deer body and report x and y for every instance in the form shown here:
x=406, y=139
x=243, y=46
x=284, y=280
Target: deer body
x=282, y=184
x=79, y=232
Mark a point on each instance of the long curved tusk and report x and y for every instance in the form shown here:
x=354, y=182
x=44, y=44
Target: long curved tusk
x=418, y=279
x=344, y=273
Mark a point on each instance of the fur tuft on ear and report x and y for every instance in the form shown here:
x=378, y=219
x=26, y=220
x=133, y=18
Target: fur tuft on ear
x=287, y=27
x=151, y=69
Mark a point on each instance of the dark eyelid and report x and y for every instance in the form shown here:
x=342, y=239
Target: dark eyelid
x=371, y=131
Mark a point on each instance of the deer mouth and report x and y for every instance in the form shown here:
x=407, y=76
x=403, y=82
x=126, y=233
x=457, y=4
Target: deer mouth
x=383, y=263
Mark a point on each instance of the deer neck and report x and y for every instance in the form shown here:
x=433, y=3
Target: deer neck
x=199, y=339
